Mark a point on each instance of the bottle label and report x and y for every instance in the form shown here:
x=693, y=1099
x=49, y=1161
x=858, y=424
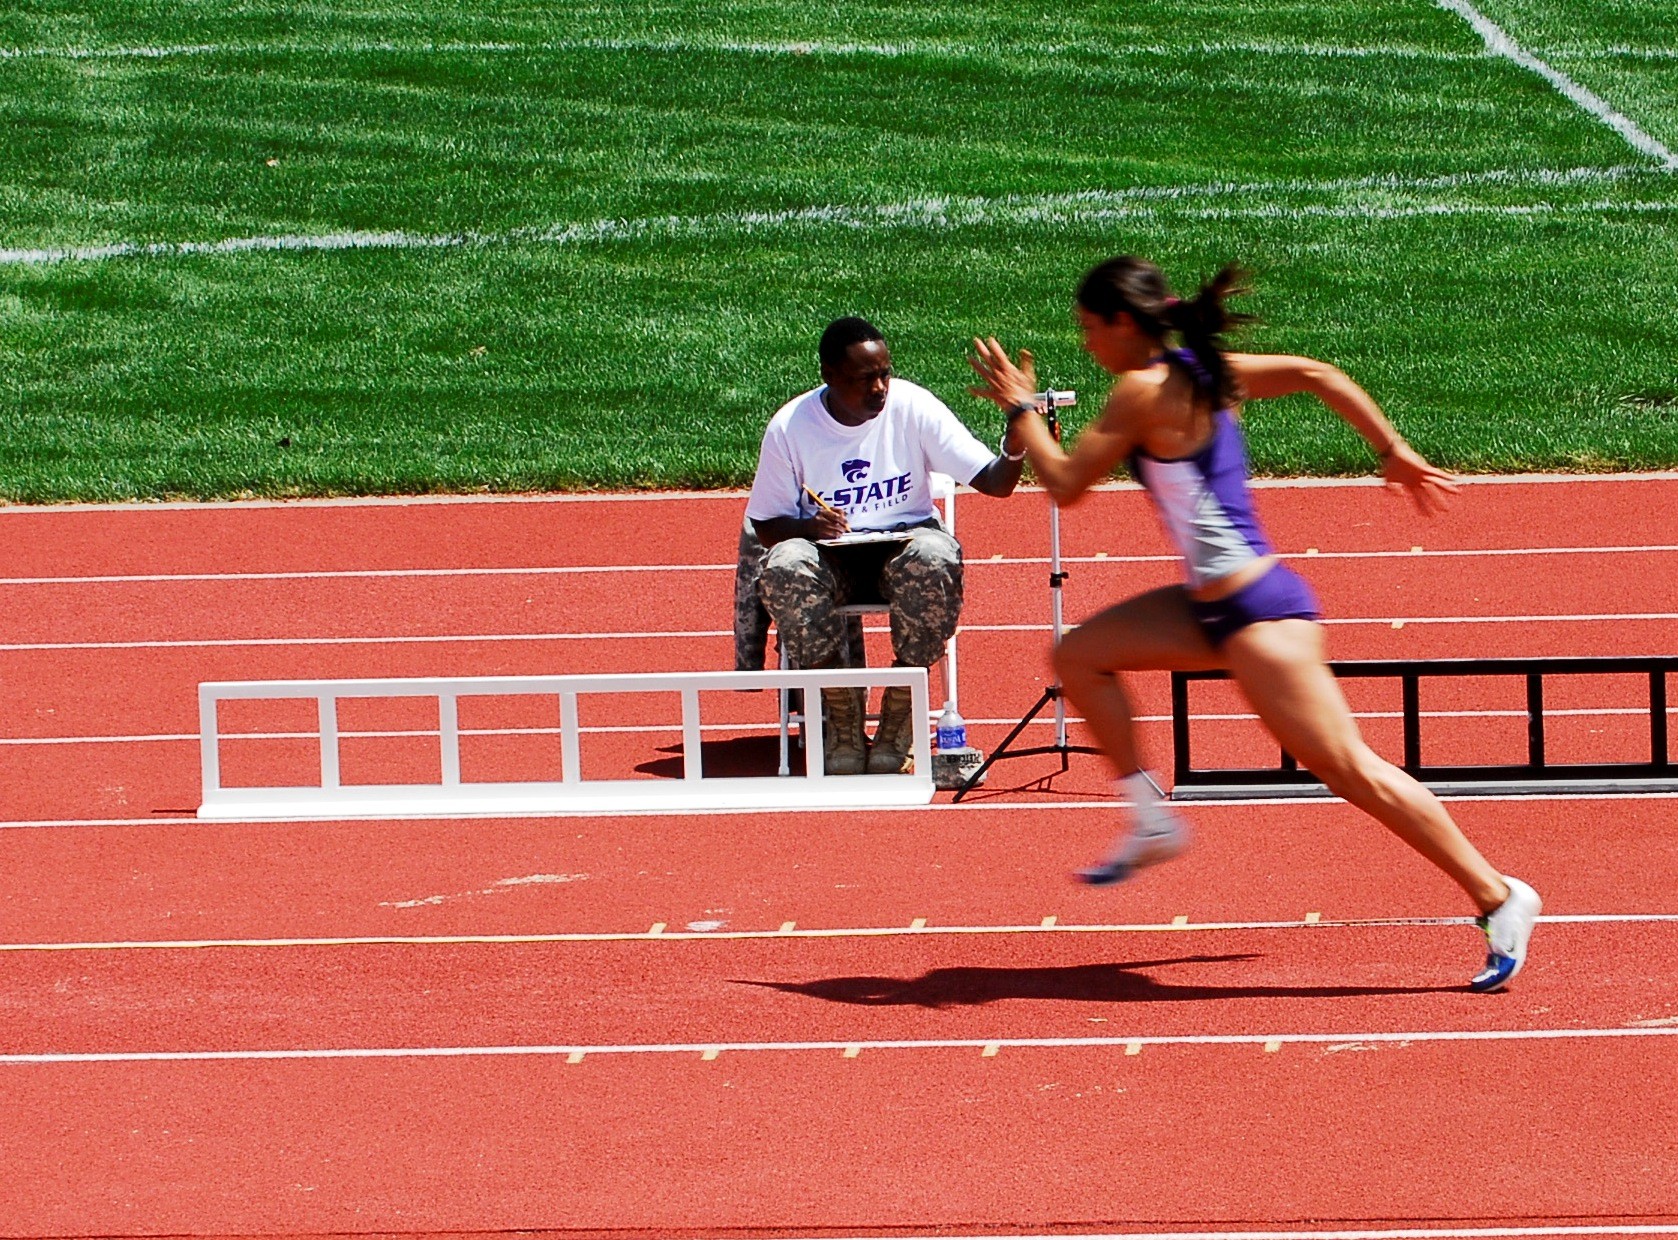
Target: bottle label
x=952, y=738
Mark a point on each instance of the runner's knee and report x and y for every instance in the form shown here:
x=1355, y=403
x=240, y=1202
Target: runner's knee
x=1077, y=658
x=1353, y=773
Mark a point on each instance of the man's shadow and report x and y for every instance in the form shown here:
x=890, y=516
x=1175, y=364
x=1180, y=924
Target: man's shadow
x=733, y=756
x=973, y=986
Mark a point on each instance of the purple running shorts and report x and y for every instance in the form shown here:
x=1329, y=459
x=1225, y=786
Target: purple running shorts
x=1281, y=594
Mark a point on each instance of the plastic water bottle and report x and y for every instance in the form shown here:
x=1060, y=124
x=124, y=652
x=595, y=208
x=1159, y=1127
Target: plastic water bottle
x=952, y=731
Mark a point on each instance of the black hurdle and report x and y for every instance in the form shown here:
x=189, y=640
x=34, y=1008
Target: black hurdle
x=1535, y=775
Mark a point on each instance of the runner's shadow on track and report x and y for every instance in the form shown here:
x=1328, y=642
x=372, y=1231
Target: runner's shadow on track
x=1086, y=983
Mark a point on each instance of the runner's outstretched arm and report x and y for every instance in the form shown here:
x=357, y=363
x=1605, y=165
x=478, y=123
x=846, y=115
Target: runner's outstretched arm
x=1262, y=375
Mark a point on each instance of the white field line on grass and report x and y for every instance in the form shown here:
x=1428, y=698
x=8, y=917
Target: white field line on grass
x=1136, y=203
x=1498, y=43
x=851, y=932
x=737, y=729
x=712, y=1049
x=949, y=49
x=567, y=570
x=1630, y=53
x=690, y=634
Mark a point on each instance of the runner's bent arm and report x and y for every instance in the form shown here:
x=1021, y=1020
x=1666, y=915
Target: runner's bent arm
x=1102, y=445
x=1262, y=375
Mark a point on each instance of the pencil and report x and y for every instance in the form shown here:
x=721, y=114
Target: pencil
x=820, y=502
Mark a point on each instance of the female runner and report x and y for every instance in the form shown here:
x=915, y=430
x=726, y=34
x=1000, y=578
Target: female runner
x=1172, y=415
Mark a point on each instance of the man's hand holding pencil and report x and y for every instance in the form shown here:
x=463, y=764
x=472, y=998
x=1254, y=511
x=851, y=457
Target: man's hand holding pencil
x=828, y=521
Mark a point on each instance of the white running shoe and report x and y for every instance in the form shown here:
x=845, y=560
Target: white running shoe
x=1507, y=927
x=1158, y=839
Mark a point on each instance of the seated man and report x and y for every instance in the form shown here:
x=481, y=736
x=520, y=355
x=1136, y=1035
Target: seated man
x=856, y=455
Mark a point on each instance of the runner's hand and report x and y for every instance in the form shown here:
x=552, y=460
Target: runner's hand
x=1005, y=383
x=1429, y=486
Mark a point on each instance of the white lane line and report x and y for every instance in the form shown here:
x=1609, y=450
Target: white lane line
x=1490, y=553
x=707, y=1048
x=1441, y=1233
x=424, y=639
x=218, y=506
x=754, y=728
x=977, y=806
x=563, y=570
x=1498, y=43
x=853, y=932
x=1471, y=480
x=1577, y=618
x=943, y=213
x=690, y=634
x=1394, y=1233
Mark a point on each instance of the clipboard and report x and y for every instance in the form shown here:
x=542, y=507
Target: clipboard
x=861, y=538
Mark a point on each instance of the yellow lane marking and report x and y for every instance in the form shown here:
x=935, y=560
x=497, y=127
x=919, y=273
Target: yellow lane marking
x=715, y=1049
x=658, y=931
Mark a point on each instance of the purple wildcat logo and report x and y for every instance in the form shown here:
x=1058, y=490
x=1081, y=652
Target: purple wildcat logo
x=855, y=471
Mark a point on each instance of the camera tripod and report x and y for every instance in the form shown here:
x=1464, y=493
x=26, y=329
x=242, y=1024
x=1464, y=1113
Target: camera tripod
x=1054, y=693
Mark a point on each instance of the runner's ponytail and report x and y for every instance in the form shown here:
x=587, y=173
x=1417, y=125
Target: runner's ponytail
x=1202, y=322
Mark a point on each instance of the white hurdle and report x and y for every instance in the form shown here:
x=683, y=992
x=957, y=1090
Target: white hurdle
x=570, y=793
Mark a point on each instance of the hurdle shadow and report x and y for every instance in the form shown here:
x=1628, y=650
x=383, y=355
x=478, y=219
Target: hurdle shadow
x=734, y=756
x=975, y=986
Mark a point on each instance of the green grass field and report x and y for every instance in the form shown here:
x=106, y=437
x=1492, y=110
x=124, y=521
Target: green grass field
x=366, y=247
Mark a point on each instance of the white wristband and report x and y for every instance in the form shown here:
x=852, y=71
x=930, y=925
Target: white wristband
x=1002, y=449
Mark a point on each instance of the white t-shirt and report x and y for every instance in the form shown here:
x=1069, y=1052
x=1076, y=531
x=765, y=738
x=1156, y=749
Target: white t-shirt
x=876, y=473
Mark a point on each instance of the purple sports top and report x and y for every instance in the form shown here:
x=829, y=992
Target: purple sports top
x=1204, y=503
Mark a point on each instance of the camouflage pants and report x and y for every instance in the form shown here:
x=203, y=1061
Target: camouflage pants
x=802, y=585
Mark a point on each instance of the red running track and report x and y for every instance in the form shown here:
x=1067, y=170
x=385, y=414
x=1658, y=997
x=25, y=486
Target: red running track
x=1358, y=1130
x=916, y=1142
x=1343, y=979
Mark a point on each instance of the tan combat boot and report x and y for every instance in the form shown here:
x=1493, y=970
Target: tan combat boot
x=844, y=752
x=893, y=751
